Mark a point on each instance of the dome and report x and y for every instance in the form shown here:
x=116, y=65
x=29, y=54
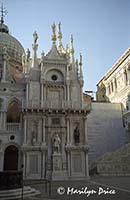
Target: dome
x=14, y=48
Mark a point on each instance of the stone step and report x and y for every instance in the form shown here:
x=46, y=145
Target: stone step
x=116, y=163
x=17, y=193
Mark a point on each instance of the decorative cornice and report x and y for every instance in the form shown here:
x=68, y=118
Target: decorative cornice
x=116, y=65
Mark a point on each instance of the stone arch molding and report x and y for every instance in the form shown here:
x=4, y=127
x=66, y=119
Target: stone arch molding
x=14, y=99
x=4, y=146
x=53, y=71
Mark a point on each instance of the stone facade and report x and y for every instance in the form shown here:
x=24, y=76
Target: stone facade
x=105, y=129
x=115, y=85
x=42, y=113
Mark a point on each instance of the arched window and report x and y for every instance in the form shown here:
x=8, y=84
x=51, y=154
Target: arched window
x=13, y=113
x=11, y=158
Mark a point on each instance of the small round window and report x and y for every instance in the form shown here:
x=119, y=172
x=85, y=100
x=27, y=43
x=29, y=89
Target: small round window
x=54, y=77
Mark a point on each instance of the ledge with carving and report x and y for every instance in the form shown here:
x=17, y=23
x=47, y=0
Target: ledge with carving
x=29, y=147
x=56, y=105
x=79, y=147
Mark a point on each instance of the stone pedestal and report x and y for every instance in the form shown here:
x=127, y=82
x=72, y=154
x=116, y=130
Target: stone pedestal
x=58, y=173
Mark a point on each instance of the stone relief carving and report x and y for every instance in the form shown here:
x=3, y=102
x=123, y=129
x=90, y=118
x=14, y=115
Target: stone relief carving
x=56, y=143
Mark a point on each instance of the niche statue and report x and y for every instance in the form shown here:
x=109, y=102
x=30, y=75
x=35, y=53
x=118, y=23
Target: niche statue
x=56, y=143
x=76, y=135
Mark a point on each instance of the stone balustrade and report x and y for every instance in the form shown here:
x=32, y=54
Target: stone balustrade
x=13, y=127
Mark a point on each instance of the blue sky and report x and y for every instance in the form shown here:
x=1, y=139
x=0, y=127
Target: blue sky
x=101, y=29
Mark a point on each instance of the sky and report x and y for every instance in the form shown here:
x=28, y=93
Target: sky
x=101, y=29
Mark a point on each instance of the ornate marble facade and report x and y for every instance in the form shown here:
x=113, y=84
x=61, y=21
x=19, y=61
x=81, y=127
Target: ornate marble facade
x=43, y=118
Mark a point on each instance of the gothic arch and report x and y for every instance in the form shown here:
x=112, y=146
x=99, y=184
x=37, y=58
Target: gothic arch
x=14, y=99
x=13, y=111
x=11, y=157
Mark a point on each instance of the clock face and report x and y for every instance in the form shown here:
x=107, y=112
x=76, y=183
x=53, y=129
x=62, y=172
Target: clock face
x=54, y=77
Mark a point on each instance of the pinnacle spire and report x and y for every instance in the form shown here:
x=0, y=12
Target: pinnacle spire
x=80, y=64
x=53, y=33
x=71, y=44
x=3, y=12
x=59, y=36
x=59, y=31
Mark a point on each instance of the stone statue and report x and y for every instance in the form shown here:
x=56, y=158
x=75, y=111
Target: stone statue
x=27, y=55
x=76, y=135
x=56, y=143
x=34, y=132
x=35, y=37
x=34, y=137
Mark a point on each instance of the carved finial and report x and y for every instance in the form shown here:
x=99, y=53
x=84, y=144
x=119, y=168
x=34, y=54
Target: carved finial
x=71, y=39
x=80, y=61
x=80, y=64
x=3, y=12
x=53, y=33
x=59, y=36
x=77, y=67
x=42, y=54
x=71, y=45
x=59, y=31
x=35, y=37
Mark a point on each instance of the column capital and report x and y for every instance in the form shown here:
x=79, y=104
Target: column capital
x=85, y=117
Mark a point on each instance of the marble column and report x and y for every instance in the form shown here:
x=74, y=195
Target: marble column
x=4, y=120
x=85, y=130
x=43, y=165
x=68, y=130
x=44, y=93
x=27, y=93
x=39, y=131
x=43, y=130
x=24, y=164
x=1, y=159
x=69, y=163
x=42, y=98
x=86, y=163
x=25, y=129
x=68, y=92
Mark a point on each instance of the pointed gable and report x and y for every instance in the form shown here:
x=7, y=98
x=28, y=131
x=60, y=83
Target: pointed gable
x=54, y=54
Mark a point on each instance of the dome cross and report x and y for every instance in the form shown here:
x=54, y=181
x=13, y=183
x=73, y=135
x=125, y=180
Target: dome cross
x=3, y=12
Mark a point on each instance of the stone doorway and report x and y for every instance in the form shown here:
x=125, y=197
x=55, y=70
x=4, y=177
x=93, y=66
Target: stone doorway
x=11, y=158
